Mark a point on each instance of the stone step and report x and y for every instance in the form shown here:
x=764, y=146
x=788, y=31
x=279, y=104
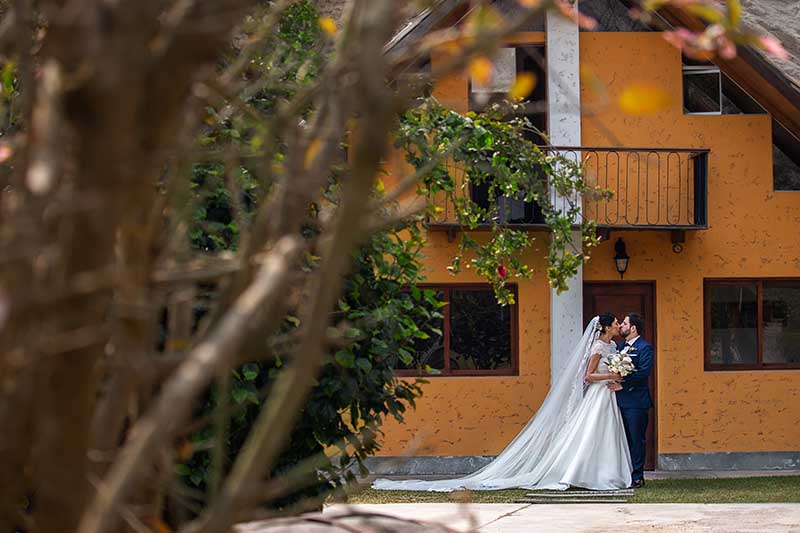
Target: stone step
x=572, y=500
x=580, y=493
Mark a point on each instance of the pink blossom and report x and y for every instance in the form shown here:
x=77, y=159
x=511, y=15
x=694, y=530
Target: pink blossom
x=680, y=37
x=5, y=152
x=727, y=50
x=773, y=46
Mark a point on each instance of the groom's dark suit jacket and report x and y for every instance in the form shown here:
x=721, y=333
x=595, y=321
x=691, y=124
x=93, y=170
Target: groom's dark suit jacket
x=635, y=393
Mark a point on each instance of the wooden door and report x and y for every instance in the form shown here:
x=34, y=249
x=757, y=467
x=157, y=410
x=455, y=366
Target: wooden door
x=621, y=298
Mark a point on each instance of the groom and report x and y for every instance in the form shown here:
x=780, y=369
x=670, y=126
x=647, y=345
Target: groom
x=633, y=395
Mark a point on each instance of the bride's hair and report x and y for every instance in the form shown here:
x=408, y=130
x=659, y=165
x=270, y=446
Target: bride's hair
x=605, y=321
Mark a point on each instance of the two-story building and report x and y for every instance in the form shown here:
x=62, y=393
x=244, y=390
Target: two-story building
x=707, y=206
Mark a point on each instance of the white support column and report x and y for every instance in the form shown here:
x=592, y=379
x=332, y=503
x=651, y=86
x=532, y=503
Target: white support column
x=564, y=128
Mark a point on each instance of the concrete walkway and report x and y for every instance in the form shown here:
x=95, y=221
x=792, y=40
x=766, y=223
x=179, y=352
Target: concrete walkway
x=512, y=518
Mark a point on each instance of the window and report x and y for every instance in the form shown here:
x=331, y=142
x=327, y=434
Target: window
x=479, y=336
x=708, y=91
x=702, y=90
x=752, y=324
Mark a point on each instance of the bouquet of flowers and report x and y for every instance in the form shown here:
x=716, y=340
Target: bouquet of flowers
x=620, y=364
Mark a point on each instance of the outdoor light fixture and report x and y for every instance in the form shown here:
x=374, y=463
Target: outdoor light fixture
x=621, y=257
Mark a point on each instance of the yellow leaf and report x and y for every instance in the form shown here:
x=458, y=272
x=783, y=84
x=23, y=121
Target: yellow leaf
x=451, y=48
x=652, y=5
x=523, y=86
x=185, y=450
x=159, y=526
x=642, y=99
x=328, y=25
x=592, y=81
x=707, y=13
x=481, y=70
x=379, y=186
x=311, y=153
x=734, y=12
x=483, y=18
x=438, y=209
x=177, y=345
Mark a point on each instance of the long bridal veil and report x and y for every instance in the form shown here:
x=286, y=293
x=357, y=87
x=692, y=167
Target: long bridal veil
x=520, y=464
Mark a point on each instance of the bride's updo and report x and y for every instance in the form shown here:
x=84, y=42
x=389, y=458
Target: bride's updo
x=605, y=321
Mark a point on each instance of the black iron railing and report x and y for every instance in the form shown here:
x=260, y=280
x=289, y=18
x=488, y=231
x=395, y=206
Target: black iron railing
x=653, y=188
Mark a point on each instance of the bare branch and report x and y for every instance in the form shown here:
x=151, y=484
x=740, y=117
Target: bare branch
x=203, y=363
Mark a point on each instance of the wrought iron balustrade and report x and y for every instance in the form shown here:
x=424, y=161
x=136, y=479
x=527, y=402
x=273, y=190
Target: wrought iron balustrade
x=653, y=188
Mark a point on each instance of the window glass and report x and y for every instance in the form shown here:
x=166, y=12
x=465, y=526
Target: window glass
x=781, y=330
x=480, y=331
x=734, y=324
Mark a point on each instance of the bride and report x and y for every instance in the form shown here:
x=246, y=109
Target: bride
x=576, y=439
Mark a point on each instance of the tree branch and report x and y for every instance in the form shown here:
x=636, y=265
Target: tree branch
x=175, y=403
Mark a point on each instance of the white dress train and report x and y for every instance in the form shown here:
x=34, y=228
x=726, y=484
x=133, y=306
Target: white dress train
x=575, y=439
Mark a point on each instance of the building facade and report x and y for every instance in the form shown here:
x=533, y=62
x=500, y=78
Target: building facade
x=707, y=204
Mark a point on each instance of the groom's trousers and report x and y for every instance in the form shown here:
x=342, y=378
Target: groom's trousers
x=635, y=422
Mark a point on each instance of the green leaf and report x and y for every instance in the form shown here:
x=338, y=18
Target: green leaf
x=250, y=371
x=239, y=394
x=415, y=293
x=364, y=364
x=345, y=358
x=432, y=371
x=353, y=333
x=8, y=78
x=405, y=356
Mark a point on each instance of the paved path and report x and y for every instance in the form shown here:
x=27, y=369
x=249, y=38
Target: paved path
x=513, y=518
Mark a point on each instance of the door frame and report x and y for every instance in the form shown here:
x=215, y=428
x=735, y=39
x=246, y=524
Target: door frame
x=653, y=340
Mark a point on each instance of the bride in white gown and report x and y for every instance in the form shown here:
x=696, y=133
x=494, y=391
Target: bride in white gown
x=575, y=439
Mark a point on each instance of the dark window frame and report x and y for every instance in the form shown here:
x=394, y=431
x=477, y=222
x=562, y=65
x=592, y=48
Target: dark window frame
x=760, y=364
x=701, y=70
x=446, y=371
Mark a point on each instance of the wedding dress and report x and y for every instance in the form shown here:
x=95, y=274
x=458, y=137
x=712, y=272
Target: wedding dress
x=575, y=439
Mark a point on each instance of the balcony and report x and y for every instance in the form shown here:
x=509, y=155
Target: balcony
x=653, y=189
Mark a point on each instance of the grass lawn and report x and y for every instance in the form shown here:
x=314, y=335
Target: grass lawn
x=734, y=490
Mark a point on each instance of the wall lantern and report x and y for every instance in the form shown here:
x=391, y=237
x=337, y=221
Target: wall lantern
x=621, y=257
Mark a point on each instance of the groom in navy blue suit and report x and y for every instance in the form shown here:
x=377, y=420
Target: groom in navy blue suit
x=633, y=395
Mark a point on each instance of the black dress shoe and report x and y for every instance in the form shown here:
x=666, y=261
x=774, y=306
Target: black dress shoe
x=637, y=484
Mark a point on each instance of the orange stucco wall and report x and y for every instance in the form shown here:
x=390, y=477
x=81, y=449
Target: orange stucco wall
x=753, y=233
x=469, y=415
